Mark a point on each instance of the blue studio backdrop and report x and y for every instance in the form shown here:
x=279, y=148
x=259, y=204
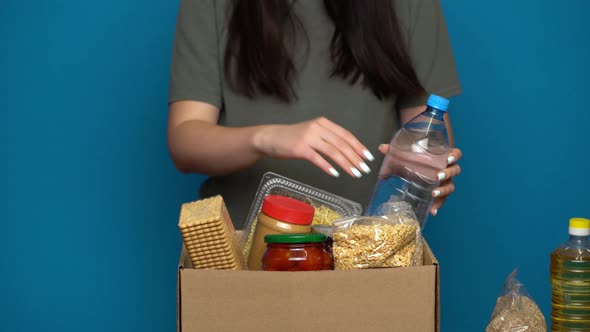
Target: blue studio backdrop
x=90, y=199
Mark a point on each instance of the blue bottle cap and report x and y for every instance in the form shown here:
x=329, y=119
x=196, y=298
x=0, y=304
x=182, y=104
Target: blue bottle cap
x=438, y=102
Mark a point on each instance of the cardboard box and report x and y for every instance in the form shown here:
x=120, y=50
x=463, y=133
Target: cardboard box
x=397, y=299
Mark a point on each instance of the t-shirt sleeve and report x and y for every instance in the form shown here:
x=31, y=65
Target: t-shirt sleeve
x=429, y=48
x=195, y=69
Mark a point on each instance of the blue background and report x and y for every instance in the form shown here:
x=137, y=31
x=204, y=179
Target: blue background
x=90, y=198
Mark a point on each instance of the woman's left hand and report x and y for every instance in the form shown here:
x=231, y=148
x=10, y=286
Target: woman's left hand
x=446, y=176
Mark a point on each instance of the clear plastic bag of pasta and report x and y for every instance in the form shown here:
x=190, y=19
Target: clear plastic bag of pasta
x=515, y=310
x=401, y=212
x=377, y=242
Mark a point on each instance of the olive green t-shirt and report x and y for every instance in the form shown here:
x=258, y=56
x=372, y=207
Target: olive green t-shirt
x=197, y=74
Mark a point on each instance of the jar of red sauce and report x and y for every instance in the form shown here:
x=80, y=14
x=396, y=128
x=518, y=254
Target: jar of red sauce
x=296, y=252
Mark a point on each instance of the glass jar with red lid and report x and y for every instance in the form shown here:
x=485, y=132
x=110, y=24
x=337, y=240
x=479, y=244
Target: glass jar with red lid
x=279, y=215
x=296, y=252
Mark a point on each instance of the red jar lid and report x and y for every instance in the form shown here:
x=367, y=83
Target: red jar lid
x=288, y=210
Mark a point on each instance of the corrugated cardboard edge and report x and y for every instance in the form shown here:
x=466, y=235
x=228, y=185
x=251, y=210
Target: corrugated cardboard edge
x=436, y=286
x=178, y=302
x=183, y=261
x=178, y=280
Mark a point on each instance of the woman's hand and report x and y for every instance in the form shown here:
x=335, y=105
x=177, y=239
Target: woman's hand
x=312, y=140
x=446, y=176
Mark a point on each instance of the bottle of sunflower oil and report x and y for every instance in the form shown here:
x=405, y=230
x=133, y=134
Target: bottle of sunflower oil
x=570, y=280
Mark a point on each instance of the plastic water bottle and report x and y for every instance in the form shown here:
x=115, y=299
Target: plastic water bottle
x=570, y=280
x=417, y=153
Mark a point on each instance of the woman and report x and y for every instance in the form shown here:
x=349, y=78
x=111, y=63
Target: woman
x=307, y=89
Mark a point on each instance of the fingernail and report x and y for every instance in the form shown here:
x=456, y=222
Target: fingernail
x=356, y=172
x=451, y=160
x=334, y=172
x=441, y=176
x=434, y=212
x=436, y=193
x=368, y=155
x=365, y=168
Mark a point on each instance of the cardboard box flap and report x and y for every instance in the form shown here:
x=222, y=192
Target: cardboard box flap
x=185, y=261
x=429, y=258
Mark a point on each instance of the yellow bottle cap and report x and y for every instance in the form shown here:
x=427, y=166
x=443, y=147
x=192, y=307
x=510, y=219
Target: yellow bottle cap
x=581, y=223
x=579, y=227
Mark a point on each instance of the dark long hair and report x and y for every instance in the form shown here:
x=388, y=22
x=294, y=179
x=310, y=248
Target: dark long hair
x=367, y=45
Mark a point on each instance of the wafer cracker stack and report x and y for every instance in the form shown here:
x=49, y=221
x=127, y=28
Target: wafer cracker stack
x=209, y=235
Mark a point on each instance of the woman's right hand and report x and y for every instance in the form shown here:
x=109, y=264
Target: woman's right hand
x=313, y=140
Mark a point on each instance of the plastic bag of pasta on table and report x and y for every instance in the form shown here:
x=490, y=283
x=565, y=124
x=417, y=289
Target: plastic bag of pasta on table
x=515, y=310
x=377, y=242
